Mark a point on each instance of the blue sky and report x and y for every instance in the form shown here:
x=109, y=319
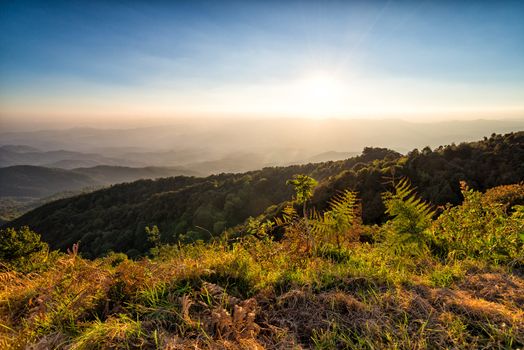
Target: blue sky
x=118, y=59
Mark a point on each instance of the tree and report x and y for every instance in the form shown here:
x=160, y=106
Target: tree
x=17, y=247
x=153, y=235
x=304, y=186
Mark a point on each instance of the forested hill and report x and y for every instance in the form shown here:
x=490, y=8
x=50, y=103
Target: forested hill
x=37, y=181
x=189, y=208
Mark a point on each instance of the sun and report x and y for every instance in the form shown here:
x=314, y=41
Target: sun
x=315, y=95
x=319, y=95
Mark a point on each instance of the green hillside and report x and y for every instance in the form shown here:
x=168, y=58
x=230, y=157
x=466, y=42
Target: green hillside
x=454, y=282
x=37, y=182
x=189, y=208
x=108, y=174
x=25, y=187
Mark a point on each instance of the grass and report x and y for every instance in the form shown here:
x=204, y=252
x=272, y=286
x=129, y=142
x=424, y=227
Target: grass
x=265, y=294
x=221, y=296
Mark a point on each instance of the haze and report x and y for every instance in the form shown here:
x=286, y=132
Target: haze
x=112, y=64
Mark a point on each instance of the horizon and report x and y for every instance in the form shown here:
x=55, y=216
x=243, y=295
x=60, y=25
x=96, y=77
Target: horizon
x=294, y=140
x=140, y=123
x=106, y=63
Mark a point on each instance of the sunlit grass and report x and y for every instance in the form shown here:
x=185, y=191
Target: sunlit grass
x=260, y=293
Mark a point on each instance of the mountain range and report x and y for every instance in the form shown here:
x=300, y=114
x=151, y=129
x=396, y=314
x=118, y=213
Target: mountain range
x=192, y=208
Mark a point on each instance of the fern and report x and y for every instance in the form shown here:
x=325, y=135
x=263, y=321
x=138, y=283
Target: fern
x=289, y=214
x=336, y=222
x=343, y=207
x=332, y=225
x=411, y=215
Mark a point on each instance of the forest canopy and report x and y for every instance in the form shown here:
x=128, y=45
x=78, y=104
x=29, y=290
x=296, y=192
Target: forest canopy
x=188, y=208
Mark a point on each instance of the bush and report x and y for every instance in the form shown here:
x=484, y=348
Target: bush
x=480, y=228
x=20, y=249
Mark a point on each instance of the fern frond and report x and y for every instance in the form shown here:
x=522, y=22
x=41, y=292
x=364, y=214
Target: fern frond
x=411, y=215
x=405, y=193
x=289, y=214
x=317, y=222
x=344, y=204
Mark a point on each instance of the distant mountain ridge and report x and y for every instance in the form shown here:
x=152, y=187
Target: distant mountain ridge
x=11, y=155
x=190, y=208
x=36, y=181
x=193, y=160
x=274, y=141
x=18, y=148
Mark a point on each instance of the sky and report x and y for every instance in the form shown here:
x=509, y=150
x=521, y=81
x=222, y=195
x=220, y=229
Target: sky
x=77, y=62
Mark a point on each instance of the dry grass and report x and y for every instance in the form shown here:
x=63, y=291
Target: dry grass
x=496, y=287
x=220, y=297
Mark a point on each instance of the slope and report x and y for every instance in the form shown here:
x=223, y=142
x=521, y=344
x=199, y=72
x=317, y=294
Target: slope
x=188, y=208
x=35, y=181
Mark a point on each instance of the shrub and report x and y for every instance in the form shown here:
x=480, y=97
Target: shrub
x=480, y=228
x=21, y=249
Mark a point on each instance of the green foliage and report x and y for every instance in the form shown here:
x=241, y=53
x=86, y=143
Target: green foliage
x=19, y=248
x=115, y=259
x=518, y=217
x=337, y=254
x=258, y=227
x=482, y=229
x=15, y=244
x=119, y=332
x=335, y=223
x=153, y=235
x=114, y=218
x=289, y=215
x=411, y=217
x=258, y=293
x=445, y=275
x=304, y=186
